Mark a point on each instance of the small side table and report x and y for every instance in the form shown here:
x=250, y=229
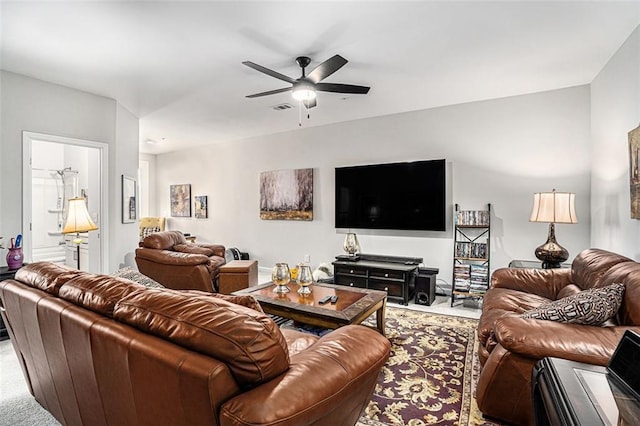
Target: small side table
x=573, y=394
x=533, y=264
x=237, y=275
x=5, y=274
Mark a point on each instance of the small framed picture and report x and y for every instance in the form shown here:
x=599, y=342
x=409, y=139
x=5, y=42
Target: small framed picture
x=180, y=200
x=201, y=207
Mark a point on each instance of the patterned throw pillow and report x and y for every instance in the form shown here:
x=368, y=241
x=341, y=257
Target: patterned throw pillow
x=131, y=274
x=148, y=230
x=590, y=307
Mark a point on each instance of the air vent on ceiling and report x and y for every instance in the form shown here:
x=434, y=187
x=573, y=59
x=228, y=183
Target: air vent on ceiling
x=281, y=107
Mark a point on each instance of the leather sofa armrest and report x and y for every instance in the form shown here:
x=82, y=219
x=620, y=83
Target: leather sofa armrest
x=542, y=282
x=336, y=376
x=538, y=339
x=168, y=257
x=218, y=249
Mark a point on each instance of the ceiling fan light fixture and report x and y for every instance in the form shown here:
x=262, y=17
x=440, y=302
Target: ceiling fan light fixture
x=303, y=94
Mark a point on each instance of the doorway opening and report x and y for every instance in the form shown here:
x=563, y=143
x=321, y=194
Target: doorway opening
x=55, y=170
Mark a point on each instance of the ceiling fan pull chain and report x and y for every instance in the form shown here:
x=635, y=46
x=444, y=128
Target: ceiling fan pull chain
x=300, y=113
x=308, y=115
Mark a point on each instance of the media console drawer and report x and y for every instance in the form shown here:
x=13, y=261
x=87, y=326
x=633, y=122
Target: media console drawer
x=351, y=281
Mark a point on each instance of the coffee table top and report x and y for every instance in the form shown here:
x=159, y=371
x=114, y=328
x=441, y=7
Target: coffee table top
x=352, y=301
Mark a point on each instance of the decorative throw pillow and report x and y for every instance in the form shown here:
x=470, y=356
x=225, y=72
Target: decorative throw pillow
x=590, y=307
x=148, y=230
x=132, y=275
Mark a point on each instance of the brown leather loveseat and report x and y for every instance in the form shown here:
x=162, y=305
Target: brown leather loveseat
x=169, y=259
x=511, y=345
x=99, y=350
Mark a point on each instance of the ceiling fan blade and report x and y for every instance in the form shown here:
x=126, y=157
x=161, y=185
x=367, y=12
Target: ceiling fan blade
x=326, y=68
x=310, y=103
x=270, y=92
x=342, y=88
x=267, y=71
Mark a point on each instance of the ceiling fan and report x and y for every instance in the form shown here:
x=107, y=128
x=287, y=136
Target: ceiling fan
x=305, y=88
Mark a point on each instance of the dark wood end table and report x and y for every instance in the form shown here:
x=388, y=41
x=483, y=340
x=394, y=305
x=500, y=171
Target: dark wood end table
x=354, y=305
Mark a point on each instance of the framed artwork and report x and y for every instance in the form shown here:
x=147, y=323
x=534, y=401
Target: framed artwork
x=634, y=176
x=180, y=196
x=129, y=200
x=286, y=194
x=201, y=211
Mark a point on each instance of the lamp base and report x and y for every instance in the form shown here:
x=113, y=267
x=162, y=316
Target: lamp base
x=551, y=253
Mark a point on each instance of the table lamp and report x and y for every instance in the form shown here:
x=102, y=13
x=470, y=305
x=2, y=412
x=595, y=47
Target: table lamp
x=553, y=207
x=78, y=220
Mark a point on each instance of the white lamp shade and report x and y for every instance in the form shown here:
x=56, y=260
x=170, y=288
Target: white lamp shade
x=554, y=207
x=78, y=219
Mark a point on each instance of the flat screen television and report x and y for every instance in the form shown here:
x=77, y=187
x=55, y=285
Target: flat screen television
x=394, y=196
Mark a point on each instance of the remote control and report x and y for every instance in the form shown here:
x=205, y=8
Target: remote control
x=334, y=299
x=324, y=300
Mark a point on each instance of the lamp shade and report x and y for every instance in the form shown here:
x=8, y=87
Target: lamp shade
x=78, y=219
x=554, y=207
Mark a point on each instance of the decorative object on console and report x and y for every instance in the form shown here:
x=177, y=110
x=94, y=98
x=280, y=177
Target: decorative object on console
x=304, y=279
x=286, y=194
x=201, y=207
x=351, y=245
x=634, y=173
x=180, y=196
x=15, y=257
x=553, y=207
x=78, y=220
x=129, y=200
x=281, y=276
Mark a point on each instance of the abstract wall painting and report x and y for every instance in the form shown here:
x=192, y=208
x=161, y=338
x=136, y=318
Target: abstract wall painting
x=180, y=196
x=634, y=181
x=201, y=208
x=286, y=194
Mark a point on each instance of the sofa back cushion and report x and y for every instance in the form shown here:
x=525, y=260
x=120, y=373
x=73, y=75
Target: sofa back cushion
x=98, y=293
x=590, y=265
x=46, y=276
x=247, y=341
x=627, y=273
x=193, y=249
x=163, y=240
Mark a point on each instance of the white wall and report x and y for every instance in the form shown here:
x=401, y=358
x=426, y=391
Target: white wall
x=499, y=151
x=38, y=106
x=615, y=110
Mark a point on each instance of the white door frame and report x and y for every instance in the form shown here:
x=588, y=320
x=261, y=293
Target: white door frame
x=27, y=142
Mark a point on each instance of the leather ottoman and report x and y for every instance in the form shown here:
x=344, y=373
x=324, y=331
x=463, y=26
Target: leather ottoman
x=237, y=275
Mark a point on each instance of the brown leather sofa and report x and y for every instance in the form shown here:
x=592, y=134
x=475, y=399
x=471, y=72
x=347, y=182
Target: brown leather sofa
x=99, y=350
x=169, y=259
x=511, y=345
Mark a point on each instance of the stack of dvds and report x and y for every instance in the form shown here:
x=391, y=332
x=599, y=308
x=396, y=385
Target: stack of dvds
x=479, y=279
x=472, y=217
x=462, y=277
x=471, y=250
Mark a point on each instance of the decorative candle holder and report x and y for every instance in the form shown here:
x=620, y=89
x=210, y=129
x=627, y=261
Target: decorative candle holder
x=351, y=246
x=281, y=276
x=305, y=279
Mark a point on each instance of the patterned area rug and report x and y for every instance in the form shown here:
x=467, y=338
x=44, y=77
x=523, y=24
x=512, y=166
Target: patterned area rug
x=431, y=374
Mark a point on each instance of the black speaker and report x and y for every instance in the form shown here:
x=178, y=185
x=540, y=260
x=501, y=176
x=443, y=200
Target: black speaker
x=425, y=286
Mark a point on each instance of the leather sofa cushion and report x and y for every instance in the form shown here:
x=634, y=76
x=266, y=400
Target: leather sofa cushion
x=98, y=293
x=163, y=240
x=242, y=300
x=46, y=276
x=249, y=342
x=590, y=265
x=168, y=257
x=192, y=248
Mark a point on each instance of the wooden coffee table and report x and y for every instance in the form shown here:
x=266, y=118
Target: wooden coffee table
x=354, y=305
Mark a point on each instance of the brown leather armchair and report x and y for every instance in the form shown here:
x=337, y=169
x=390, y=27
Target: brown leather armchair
x=169, y=259
x=510, y=345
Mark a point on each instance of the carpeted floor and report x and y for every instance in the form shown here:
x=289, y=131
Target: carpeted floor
x=429, y=378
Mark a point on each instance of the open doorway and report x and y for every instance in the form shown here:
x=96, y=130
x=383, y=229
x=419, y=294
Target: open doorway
x=56, y=169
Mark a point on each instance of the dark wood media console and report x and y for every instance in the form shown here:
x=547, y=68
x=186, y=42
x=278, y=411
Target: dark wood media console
x=393, y=274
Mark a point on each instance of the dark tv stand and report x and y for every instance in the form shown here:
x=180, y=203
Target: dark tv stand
x=394, y=274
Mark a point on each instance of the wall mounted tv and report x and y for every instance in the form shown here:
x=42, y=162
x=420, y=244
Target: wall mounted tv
x=402, y=196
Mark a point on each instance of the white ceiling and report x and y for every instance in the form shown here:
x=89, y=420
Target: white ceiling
x=178, y=65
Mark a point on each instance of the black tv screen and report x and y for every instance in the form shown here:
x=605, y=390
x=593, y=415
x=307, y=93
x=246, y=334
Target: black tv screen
x=402, y=196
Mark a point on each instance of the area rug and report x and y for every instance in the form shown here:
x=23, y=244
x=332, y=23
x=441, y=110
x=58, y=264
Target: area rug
x=431, y=374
